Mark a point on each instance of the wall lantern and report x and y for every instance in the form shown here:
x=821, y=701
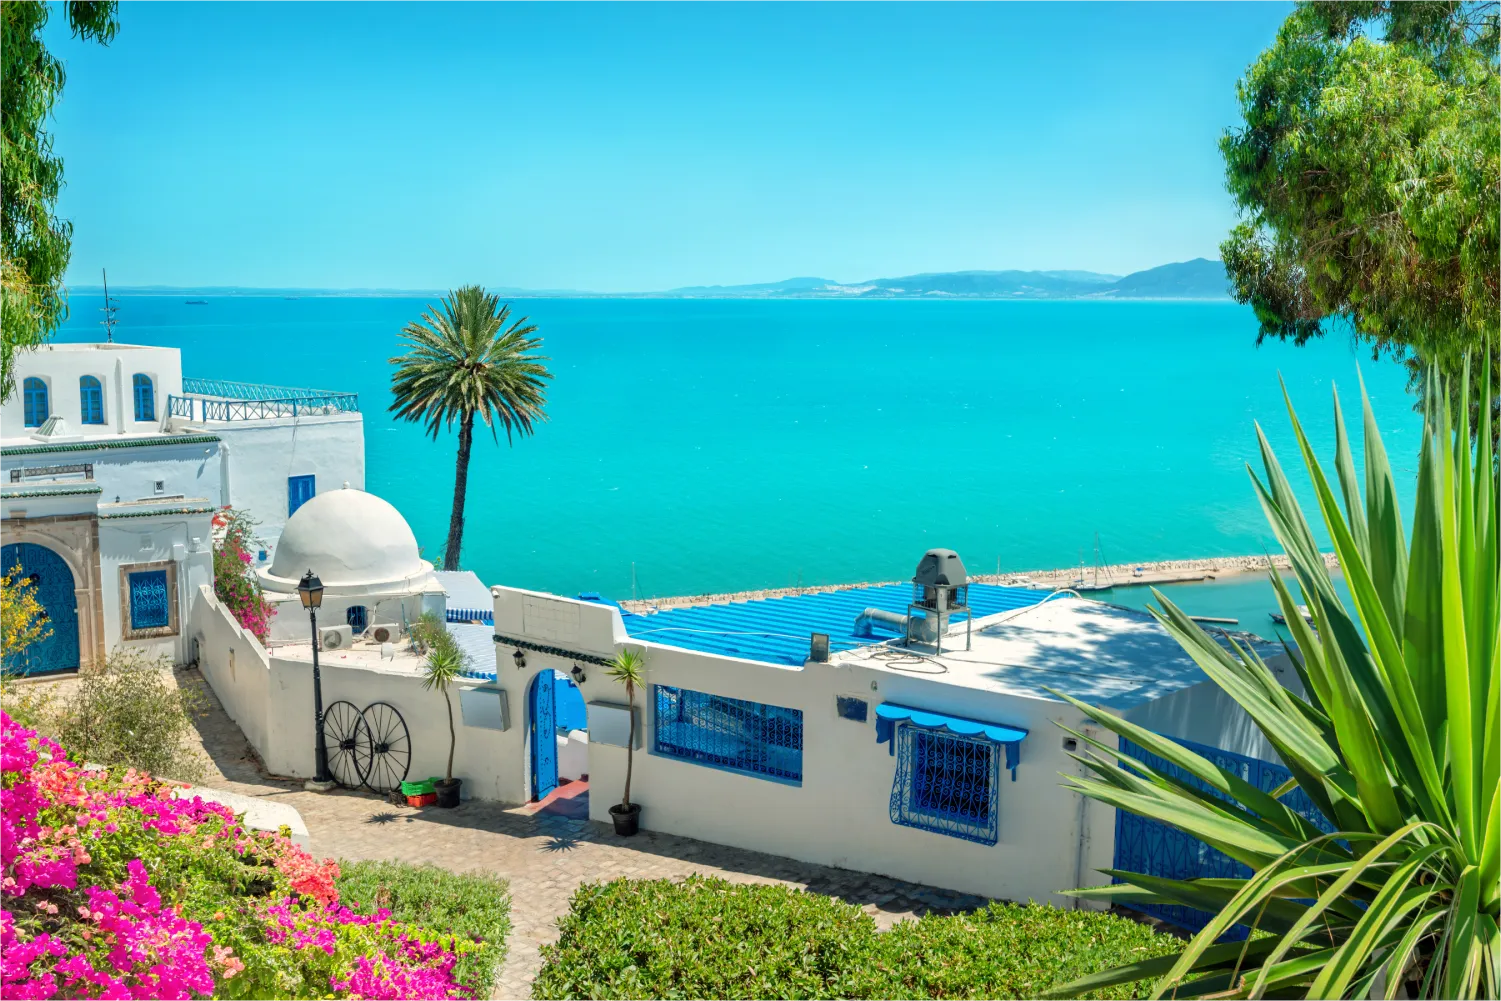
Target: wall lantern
x=578, y=674
x=519, y=658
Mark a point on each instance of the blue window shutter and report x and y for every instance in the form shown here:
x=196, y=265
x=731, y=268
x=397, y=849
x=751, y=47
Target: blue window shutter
x=150, y=601
x=300, y=490
x=90, y=400
x=145, y=397
x=37, y=409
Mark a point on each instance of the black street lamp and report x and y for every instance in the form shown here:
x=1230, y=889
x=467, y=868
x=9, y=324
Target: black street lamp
x=310, y=590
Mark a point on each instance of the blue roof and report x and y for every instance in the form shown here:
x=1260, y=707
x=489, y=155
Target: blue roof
x=777, y=630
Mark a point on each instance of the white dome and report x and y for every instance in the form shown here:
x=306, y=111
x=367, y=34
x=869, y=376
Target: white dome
x=352, y=540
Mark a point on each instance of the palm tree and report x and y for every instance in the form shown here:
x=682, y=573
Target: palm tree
x=464, y=362
x=1395, y=742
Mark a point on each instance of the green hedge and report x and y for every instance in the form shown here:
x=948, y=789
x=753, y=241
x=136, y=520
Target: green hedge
x=708, y=938
x=473, y=905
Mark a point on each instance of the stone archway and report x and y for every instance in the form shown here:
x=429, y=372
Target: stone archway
x=74, y=540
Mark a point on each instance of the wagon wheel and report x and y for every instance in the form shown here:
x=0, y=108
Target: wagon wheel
x=348, y=746
x=390, y=747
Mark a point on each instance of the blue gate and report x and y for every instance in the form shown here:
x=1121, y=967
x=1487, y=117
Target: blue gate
x=1156, y=849
x=542, y=717
x=54, y=590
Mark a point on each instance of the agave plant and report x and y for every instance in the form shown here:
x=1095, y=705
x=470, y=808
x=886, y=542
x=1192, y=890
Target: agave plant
x=1394, y=890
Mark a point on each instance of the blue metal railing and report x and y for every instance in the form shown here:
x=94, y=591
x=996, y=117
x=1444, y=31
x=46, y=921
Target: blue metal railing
x=221, y=400
x=468, y=615
x=729, y=733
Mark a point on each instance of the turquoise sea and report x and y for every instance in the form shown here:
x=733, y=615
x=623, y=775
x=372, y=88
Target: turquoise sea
x=721, y=445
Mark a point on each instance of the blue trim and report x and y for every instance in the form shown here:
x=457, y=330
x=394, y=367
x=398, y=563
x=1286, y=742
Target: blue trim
x=889, y=714
x=947, y=784
x=145, y=397
x=90, y=400
x=34, y=392
x=752, y=738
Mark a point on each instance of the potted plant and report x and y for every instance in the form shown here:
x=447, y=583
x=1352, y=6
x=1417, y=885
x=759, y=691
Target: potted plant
x=445, y=664
x=626, y=667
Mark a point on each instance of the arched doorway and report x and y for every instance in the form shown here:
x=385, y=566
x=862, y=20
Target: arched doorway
x=55, y=591
x=542, y=732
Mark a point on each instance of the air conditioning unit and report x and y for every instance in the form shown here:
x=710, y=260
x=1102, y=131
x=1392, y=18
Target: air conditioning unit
x=335, y=637
x=385, y=632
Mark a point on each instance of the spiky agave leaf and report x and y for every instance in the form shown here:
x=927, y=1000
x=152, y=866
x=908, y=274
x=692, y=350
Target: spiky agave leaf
x=1396, y=742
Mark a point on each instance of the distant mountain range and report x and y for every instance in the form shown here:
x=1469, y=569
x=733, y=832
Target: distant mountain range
x=1195, y=279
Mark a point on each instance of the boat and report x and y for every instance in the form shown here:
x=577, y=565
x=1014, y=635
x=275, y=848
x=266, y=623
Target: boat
x=195, y=302
x=1281, y=619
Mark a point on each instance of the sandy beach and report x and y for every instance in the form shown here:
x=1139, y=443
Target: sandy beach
x=1159, y=572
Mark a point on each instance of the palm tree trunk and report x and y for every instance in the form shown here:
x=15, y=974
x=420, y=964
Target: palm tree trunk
x=630, y=746
x=460, y=489
x=452, y=737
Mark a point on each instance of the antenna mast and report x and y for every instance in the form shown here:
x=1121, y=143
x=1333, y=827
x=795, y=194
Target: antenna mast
x=109, y=310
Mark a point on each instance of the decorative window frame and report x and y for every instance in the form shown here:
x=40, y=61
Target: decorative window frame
x=723, y=735
x=174, y=621
x=907, y=811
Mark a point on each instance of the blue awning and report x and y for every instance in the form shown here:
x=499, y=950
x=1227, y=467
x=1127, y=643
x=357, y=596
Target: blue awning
x=889, y=714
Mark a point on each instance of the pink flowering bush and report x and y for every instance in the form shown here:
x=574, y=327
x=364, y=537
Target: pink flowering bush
x=235, y=583
x=113, y=888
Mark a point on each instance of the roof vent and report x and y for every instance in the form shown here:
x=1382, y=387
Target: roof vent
x=940, y=588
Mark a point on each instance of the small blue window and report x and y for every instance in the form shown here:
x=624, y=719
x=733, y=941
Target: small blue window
x=947, y=784
x=150, y=605
x=300, y=490
x=90, y=400
x=750, y=737
x=356, y=617
x=145, y=395
x=37, y=409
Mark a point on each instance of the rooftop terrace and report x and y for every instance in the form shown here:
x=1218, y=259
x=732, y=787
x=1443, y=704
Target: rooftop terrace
x=222, y=400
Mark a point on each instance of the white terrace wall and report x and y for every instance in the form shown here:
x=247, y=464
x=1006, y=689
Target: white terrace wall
x=235, y=665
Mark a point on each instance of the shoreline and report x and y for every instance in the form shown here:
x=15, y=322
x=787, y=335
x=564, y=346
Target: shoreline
x=1120, y=574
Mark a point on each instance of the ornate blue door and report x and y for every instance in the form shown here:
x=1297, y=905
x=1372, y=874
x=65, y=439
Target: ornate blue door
x=54, y=590
x=542, y=711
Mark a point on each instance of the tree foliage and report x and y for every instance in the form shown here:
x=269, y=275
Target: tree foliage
x=1367, y=175
x=463, y=361
x=34, y=244
x=23, y=620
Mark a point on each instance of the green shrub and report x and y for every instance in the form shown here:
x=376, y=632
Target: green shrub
x=706, y=937
x=131, y=714
x=476, y=906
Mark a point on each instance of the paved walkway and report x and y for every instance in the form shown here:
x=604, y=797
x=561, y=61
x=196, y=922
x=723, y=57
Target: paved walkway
x=544, y=854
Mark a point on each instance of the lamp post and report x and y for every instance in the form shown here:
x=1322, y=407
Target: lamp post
x=310, y=590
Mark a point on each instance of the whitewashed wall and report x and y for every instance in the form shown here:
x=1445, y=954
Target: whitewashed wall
x=60, y=366
x=182, y=539
x=261, y=455
x=236, y=667
x=123, y=475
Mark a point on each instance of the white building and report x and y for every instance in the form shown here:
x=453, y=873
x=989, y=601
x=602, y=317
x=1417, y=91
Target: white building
x=940, y=767
x=112, y=466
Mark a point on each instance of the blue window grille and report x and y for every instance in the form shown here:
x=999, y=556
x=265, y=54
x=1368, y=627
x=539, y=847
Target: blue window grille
x=145, y=397
x=947, y=784
x=729, y=733
x=1152, y=847
x=300, y=490
x=90, y=400
x=34, y=392
x=357, y=617
x=150, y=601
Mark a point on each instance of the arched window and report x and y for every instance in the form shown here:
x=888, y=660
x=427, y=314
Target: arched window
x=37, y=410
x=145, y=397
x=90, y=400
x=356, y=617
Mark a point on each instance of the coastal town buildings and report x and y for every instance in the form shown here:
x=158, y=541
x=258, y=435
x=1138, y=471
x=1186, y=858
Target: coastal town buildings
x=112, y=466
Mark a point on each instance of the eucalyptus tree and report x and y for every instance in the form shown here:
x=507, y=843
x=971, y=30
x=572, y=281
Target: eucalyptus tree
x=1394, y=887
x=463, y=362
x=1368, y=174
x=34, y=244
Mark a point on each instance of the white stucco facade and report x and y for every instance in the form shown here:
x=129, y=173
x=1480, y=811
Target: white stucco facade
x=112, y=465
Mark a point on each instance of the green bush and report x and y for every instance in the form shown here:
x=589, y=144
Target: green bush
x=475, y=906
x=706, y=937
x=131, y=714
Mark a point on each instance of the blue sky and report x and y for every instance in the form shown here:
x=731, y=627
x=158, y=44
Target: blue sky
x=640, y=146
